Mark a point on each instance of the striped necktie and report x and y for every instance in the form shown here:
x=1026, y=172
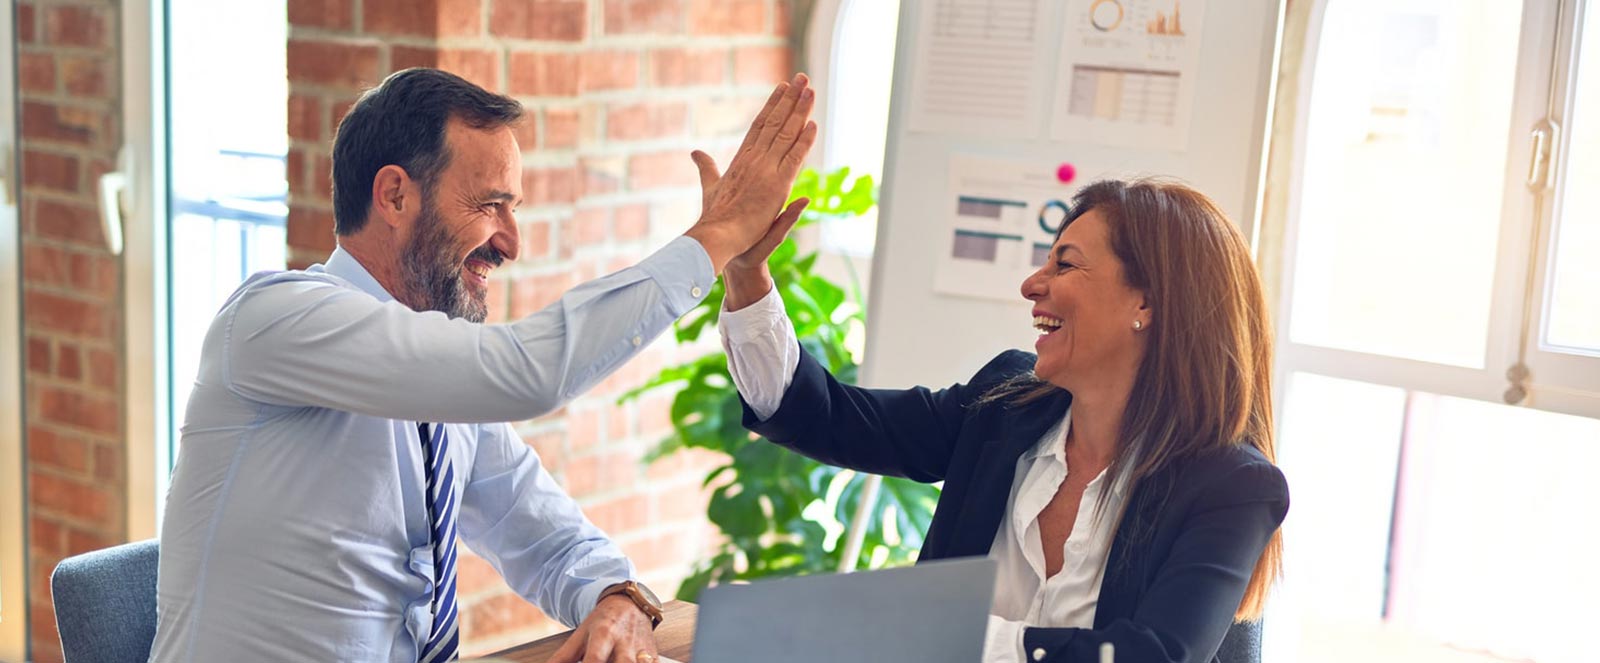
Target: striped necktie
x=441, y=479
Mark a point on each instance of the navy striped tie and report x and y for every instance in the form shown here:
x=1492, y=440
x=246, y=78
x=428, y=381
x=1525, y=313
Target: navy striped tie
x=441, y=480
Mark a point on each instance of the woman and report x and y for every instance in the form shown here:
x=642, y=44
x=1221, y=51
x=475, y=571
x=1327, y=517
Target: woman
x=1123, y=477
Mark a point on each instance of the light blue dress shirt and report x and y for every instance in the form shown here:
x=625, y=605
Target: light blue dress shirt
x=296, y=527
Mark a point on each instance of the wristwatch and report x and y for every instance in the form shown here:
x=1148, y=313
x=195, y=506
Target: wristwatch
x=640, y=595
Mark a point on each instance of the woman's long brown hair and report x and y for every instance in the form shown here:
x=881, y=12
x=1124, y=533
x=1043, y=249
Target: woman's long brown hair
x=1206, y=379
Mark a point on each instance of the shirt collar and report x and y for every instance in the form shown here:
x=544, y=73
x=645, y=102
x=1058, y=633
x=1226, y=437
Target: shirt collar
x=347, y=267
x=1050, y=446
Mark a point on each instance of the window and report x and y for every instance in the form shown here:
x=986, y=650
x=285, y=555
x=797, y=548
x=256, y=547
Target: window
x=206, y=139
x=853, y=56
x=1439, y=332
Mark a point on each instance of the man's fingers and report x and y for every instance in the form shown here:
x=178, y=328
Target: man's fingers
x=796, y=156
x=570, y=650
x=599, y=650
x=708, y=168
x=780, y=113
x=796, y=123
x=781, y=227
x=761, y=118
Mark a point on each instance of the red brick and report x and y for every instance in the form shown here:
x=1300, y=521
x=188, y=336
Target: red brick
x=423, y=18
x=322, y=178
x=616, y=423
x=310, y=228
x=631, y=222
x=474, y=575
x=45, y=642
x=644, y=121
x=665, y=552
x=334, y=64
x=782, y=19
x=68, y=221
x=501, y=614
x=50, y=123
x=294, y=171
x=58, y=452
x=684, y=502
x=336, y=111
x=39, y=355
x=69, y=362
x=526, y=131
x=764, y=65
x=26, y=23
x=36, y=72
x=644, y=16
x=71, y=407
x=723, y=117
x=619, y=516
x=86, y=76
x=331, y=14
x=104, y=366
x=94, y=275
x=477, y=65
x=80, y=541
x=549, y=20
x=549, y=186
x=46, y=537
x=583, y=429
x=51, y=312
x=591, y=226
x=107, y=463
x=535, y=240
x=551, y=448
x=608, y=70
x=46, y=265
x=531, y=293
x=78, y=499
x=77, y=25
x=661, y=169
x=50, y=171
x=727, y=17
x=305, y=117
x=683, y=67
x=603, y=472
x=543, y=74
x=602, y=174
x=561, y=128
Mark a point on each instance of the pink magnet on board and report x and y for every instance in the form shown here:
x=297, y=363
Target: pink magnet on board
x=1065, y=172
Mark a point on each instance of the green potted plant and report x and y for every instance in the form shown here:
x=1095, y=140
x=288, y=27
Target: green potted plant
x=782, y=514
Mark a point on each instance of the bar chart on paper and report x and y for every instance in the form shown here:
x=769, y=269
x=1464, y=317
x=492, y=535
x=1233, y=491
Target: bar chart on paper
x=1127, y=72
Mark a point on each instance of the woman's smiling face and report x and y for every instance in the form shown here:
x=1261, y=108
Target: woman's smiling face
x=1085, y=310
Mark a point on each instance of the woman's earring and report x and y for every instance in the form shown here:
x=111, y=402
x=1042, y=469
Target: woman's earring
x=1138, y=325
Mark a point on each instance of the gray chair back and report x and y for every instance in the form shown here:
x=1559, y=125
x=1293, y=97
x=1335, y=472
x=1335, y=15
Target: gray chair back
x=1242, y=644
x=106, y=604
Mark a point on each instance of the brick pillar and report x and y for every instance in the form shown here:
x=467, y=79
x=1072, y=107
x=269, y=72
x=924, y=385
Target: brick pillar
x=68, y=70
x=618, y=93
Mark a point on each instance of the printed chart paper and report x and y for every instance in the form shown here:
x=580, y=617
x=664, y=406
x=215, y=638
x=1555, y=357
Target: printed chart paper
x=976, y=68
x=1127, y=72
x=1003, y=216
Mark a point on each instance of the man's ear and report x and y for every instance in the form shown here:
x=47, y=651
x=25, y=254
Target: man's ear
x=395, y=196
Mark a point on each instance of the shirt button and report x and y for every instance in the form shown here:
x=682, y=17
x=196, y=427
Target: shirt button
x=637, y=340
x=1038, y=653
x=695, y=291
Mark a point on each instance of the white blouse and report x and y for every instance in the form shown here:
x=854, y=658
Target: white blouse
x=763, y=356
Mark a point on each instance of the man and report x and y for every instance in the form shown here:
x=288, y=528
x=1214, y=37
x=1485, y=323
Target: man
x=347, y=420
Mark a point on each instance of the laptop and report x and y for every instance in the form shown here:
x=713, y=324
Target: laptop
x=928, y=613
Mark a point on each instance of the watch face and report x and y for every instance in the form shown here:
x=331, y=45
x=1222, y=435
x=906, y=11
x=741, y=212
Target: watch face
x=648, y=595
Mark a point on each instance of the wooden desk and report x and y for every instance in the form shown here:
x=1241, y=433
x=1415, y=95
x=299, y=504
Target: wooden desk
x=674, y=638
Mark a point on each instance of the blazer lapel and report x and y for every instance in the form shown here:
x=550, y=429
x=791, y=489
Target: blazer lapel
x=1017, y=429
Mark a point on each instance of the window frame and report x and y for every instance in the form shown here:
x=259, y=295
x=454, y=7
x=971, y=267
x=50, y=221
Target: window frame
x=14, y=589
x=143, y=160
x=1515, y=258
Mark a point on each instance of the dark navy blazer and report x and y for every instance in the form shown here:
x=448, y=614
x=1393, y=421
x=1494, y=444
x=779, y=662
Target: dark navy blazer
x=1184, y=550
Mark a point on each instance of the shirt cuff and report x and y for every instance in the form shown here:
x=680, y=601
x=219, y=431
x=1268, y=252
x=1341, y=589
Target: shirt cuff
x=684, y=272
x=752, y=322
x=589, y=596
x=1004, y=642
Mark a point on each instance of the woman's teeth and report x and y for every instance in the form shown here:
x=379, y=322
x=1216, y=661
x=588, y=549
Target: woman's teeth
x=1046, y=324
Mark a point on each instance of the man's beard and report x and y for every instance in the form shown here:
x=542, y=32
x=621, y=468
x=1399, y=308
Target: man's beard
x=432, y=273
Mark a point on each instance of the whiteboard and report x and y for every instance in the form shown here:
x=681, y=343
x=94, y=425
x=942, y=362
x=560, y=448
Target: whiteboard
x=918, y=334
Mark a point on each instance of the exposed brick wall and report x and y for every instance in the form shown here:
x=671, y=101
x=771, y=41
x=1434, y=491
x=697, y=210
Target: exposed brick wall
x=68, y=75
x=618, y=91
